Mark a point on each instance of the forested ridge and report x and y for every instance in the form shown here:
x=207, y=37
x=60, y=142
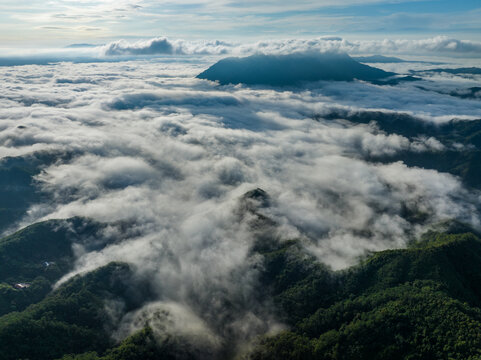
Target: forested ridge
x=422, y=302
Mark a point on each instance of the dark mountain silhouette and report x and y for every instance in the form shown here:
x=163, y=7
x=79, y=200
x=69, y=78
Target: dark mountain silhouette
x=454, y=71
x=381, y=59
x=378, y=59
x=293, y=69
x=75, y=46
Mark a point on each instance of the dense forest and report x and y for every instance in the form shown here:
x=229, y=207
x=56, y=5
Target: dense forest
x=422, y=302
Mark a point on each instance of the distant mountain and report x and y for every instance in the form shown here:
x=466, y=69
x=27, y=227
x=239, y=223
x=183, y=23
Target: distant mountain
x=395, y=80
x=454, y=71
x=48, y=59
x=464, y=162
x=293, y=69
x=381, y=59
x=469, y=93
x=75, y=46
x=378, y=59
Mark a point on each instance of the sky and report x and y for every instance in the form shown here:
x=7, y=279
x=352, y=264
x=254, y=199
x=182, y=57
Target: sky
x=61, y=22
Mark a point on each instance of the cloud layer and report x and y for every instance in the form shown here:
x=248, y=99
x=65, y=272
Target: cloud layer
x=450, y=51
x=170, y=155
x=437, y=46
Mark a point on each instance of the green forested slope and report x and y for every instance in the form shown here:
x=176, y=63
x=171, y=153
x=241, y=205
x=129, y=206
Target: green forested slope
x=38, y=256
x=422, y=302
x=72, y=319
x=460, y=156
x=17, y=190
x=417, y=303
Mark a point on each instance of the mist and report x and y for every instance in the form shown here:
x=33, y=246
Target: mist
x=171, y=155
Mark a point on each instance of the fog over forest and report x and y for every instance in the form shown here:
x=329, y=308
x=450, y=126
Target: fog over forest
x=135, y=141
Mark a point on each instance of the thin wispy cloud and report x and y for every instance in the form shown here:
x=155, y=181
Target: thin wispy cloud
x=135, y=18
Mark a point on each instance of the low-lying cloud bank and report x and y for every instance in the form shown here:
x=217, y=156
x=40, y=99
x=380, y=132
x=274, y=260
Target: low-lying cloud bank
x=437, y=46
x=120, y=50
x=169, y=155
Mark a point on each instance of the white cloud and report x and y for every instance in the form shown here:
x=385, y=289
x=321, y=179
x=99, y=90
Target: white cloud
x=170, y=155
x=436, y=46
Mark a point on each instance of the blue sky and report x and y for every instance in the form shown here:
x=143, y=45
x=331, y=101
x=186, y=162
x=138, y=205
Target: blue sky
x=60, y=22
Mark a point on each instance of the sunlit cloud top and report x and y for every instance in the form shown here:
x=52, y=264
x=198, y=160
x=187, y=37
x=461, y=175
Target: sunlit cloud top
x=64, y=21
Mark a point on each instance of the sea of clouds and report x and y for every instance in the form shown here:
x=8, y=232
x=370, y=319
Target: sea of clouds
x=171, y=155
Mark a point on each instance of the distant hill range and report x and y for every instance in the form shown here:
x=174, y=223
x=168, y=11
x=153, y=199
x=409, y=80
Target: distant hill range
x=292, y=69
x=454, y=71
x=379, y=59
x=75, y=46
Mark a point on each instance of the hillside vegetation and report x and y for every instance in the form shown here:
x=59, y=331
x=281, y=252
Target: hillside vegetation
x=422, y=302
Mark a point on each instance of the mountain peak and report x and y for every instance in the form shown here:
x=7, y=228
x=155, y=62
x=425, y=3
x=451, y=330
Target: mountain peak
x=292, y=69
